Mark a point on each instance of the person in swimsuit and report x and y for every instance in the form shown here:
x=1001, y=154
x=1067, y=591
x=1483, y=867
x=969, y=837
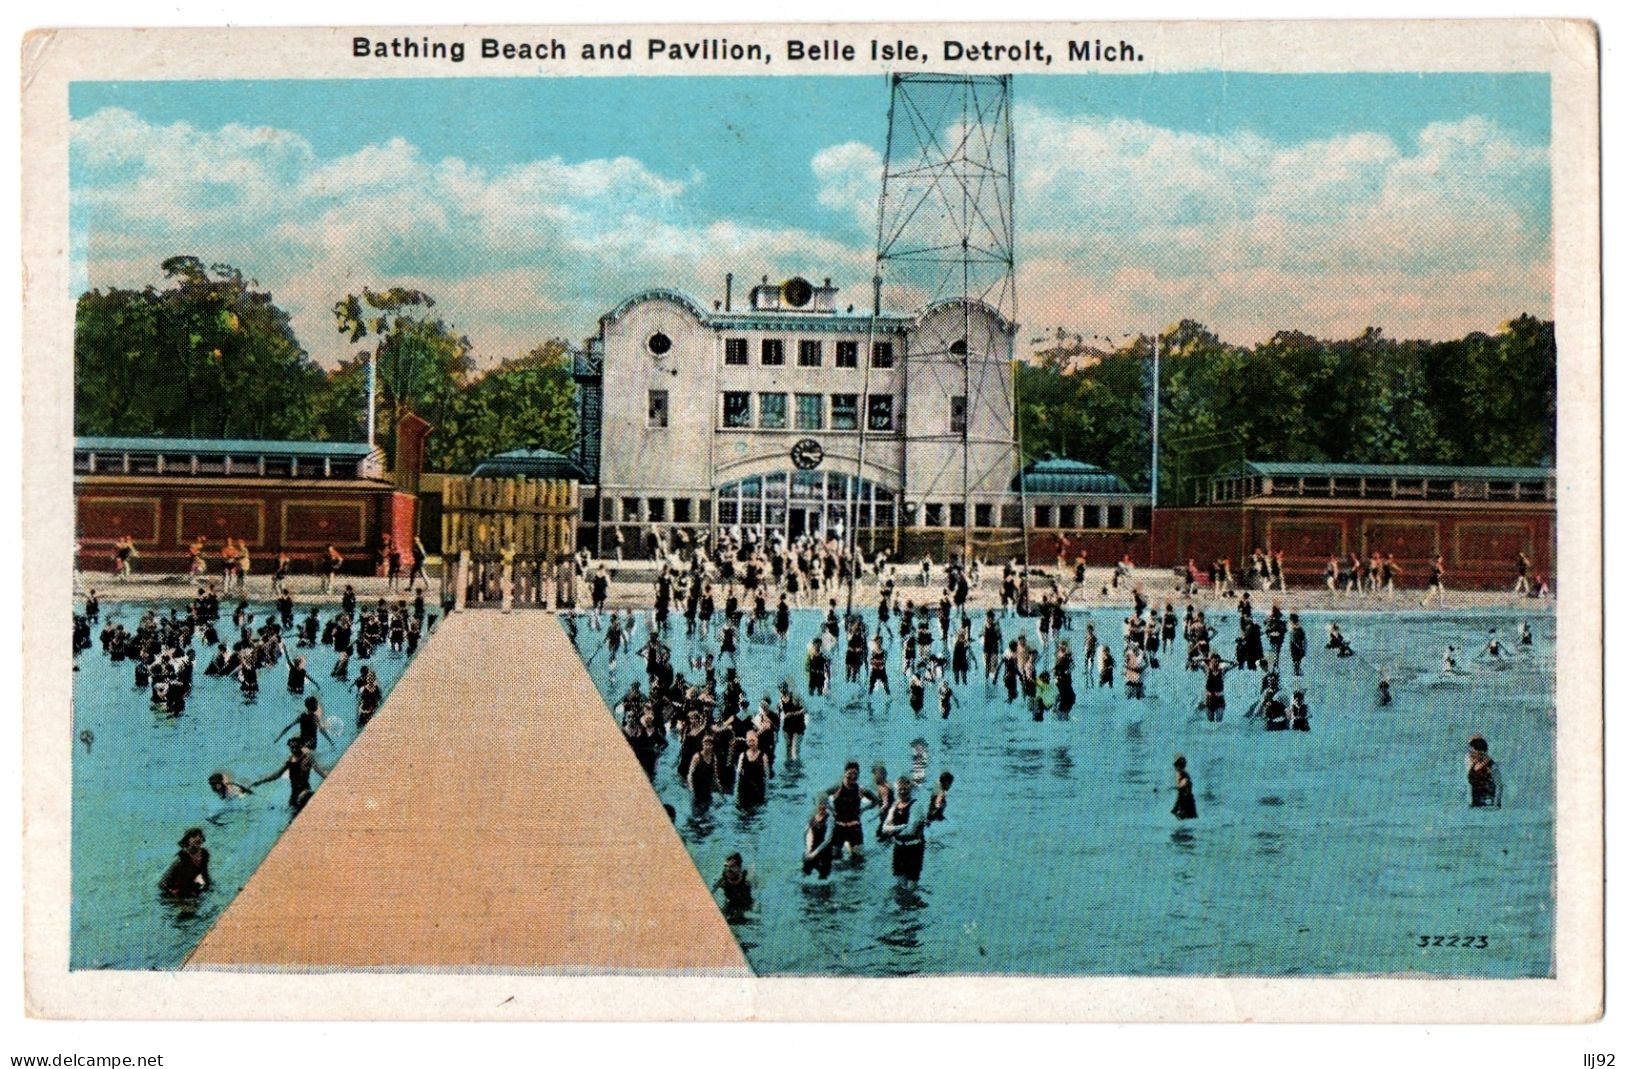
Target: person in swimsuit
x=309, y=723
x=1213, y=693
x=938, y=809
x=877, y=667
x=368, y=699
x=188, y=875
x=1184, y=791
x=1299, y=712
x=817, y=666
x=734, y=883
x=300, y=764
x=906, y=830
x=1483, y=777
x=750, y=773
x=818, y=854
x=792, y=721
x=847, y=802
x=702, y=774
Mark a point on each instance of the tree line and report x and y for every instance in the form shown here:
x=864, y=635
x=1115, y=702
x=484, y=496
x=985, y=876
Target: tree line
x=1481, y=399
x=210, y=355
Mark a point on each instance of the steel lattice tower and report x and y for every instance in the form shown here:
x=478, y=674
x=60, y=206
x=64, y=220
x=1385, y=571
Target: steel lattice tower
x=946, y=248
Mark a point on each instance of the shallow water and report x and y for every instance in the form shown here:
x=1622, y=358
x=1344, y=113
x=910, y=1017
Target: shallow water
x=1333, y=852
x=144, y=780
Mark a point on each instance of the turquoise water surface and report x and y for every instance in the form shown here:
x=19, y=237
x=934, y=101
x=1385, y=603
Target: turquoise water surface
x=1341, y=851
x=144, y=780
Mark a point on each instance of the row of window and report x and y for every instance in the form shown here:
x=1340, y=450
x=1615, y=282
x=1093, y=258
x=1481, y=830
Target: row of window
x=813, y=411
x=754, y=501
x=646, y=510
x=809, y=353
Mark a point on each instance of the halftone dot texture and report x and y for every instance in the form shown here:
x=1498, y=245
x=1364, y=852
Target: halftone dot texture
x=1327, y=853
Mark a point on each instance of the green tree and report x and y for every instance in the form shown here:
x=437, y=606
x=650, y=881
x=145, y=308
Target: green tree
x=523, y=403
x=210, y=356
x=421, y=362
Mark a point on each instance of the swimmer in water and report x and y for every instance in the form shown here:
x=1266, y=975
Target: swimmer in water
x=188, y=875
x=223, y=787
x=939, y=800
x=1448, y=664
x=1492, y=648
x=1483, y=777
x=818, y=855
x=87, y=737
x=921, y=759
x=735, y=885
x=1525, y=636
x=1184, y=791
x=300, y=764
x=847, y=800
x=1385, y=694
x=309, y=722
x=906, y=830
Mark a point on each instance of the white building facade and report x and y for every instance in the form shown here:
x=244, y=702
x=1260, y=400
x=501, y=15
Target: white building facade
x=798, y=415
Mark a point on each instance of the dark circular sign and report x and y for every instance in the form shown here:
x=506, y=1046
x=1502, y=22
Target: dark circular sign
x=807, y=454
x=797, y=292
x=659, y=344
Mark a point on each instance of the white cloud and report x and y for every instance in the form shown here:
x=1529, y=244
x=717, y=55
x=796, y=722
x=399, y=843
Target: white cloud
x=1123, y=226
x=512, y=256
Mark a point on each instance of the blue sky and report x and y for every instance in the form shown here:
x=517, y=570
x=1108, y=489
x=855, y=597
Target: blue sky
x=529, y=206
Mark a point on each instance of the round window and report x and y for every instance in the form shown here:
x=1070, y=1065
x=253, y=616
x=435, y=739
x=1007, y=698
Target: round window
x=659, y=344
x=958, y=347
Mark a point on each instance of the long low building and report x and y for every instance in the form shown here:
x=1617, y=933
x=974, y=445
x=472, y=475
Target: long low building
x=293, y=497
x=1477, y=518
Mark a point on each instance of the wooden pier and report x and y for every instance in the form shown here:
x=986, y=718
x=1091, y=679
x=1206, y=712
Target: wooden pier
x=491, y=818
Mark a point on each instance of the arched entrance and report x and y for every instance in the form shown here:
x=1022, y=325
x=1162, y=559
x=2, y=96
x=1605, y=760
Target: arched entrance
x=795, y=503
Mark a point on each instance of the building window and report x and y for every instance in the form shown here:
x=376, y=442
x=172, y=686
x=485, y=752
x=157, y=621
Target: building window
x=736, y=409
x=843, y=411
x=1114, y=517
x=933, y=514
x=773, y=407
x=659, y=408
x=589, y=510
x=705, y=510
x=1066, y=516
x=682, y=510
x=1042, y=516
x=657, y=510
x=956, y=514
x=956, y=414
x=1094, y=516
x=809, y=411
x=629, y=509
x=880, y=354
x=772, y=352
x=1010, y=516
x=810, y=354
x=846, y=354
x=880, y=412
x=1142, y=517
x=736, y=351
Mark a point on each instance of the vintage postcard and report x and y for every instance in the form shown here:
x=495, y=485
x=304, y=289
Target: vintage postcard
x=831, y=522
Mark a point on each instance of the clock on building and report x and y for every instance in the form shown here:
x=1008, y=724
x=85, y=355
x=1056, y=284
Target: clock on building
x=807, y=454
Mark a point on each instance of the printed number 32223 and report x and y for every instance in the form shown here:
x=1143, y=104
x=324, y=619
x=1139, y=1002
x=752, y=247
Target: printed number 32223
x=1477, y=942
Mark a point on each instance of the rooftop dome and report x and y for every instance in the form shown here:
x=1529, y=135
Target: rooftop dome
x=1059, y=475
x=530, y=464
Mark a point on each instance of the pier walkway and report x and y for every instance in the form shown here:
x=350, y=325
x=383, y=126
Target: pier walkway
x=491, y=818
